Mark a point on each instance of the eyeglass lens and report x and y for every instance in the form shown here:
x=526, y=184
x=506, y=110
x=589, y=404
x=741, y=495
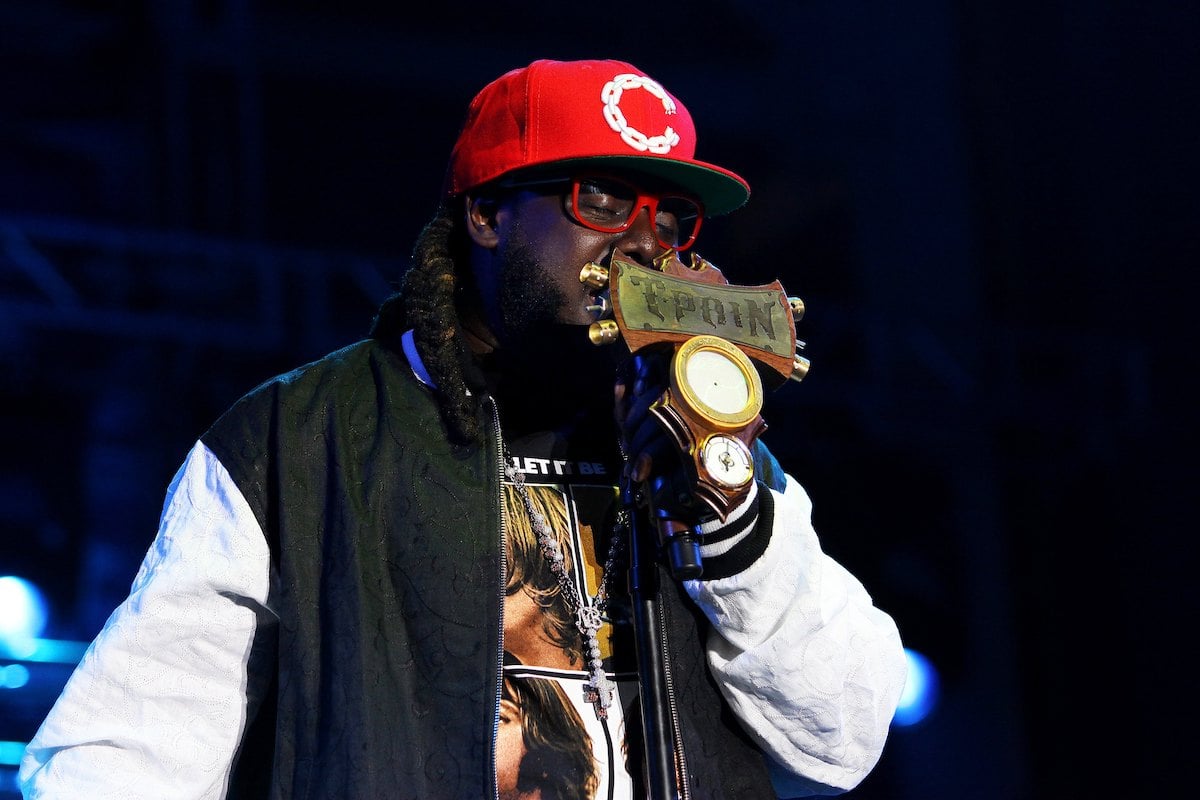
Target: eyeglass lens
x=611, y=206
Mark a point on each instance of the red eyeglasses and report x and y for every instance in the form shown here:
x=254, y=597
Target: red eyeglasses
x=610, y=205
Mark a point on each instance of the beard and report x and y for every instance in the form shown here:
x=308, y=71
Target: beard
x=536, y=346
x=529, y=300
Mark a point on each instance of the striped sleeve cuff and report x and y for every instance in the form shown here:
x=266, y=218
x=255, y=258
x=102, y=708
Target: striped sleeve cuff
x=729, y=547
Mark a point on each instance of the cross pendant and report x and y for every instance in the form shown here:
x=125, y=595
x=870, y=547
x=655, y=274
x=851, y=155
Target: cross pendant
x=599, y=692
x=601, y=703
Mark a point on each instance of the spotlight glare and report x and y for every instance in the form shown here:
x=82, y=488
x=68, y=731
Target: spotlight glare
x=22, y=612
x=14, y=676
x=920, y=692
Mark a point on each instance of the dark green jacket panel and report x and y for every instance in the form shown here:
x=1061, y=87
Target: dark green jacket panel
x=385, y=539
x=721, y=760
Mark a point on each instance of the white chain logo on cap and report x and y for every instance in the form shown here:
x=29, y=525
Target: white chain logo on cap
x=611, y=95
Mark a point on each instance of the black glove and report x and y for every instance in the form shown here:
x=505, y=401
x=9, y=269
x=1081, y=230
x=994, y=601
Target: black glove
x=655, y=470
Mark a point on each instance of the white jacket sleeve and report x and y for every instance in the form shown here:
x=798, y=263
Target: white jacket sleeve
x=158, y=704
x=812, y=668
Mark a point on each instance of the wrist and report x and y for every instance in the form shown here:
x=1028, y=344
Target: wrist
x=729, y=547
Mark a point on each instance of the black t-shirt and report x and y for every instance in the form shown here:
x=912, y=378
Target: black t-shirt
x=551, y=739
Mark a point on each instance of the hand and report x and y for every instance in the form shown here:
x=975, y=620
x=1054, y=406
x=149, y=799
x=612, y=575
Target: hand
x=653, y=456
x=641, y=382
x=655, y=464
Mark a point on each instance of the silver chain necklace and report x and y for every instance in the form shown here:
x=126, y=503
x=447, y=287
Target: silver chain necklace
x=598, y=690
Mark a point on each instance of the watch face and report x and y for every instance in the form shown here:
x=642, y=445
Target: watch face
x=727, y=461
x=716, y=380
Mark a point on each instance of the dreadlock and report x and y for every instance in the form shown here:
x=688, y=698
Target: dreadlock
x=424, y=302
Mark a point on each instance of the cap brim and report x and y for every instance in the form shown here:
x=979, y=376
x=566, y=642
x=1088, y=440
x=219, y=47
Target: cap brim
x=720, y=190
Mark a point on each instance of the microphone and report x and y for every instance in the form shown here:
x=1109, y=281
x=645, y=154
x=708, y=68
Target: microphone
x=669, y=490
x=712, y=349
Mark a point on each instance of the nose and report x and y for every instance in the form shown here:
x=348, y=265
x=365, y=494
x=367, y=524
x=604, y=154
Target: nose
x=639, y=242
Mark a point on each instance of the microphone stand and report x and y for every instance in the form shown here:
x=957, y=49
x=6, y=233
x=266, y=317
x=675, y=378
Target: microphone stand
x=657, y=724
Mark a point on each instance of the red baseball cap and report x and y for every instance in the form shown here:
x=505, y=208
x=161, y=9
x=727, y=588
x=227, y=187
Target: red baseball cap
x=564, y=113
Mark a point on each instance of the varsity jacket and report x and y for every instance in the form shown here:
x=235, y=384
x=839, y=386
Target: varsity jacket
x=374, y=667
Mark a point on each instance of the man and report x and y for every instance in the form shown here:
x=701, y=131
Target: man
x=399, y=571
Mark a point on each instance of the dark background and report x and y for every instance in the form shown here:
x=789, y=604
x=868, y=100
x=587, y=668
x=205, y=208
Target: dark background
x=990, y=209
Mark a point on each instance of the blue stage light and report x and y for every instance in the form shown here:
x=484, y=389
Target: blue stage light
x=13, y=676
x=920, y=693
x=22, y=615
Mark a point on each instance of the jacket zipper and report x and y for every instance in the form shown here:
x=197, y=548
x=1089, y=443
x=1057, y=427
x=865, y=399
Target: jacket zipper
x=499, y=451
x=681, y=776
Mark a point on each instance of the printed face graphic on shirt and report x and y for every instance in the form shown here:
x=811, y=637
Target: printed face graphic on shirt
x=548, y=729
x=543, y=750
x=539, y=626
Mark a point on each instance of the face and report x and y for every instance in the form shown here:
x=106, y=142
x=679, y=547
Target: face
x=510, y=752
x=530, y=257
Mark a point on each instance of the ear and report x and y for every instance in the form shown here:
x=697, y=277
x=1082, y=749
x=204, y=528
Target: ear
x=481, y=220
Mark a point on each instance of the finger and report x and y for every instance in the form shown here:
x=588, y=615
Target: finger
x=649, y=371
x=619, y=410
x=642, y=432
x=641, y=468
x=654, y=453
